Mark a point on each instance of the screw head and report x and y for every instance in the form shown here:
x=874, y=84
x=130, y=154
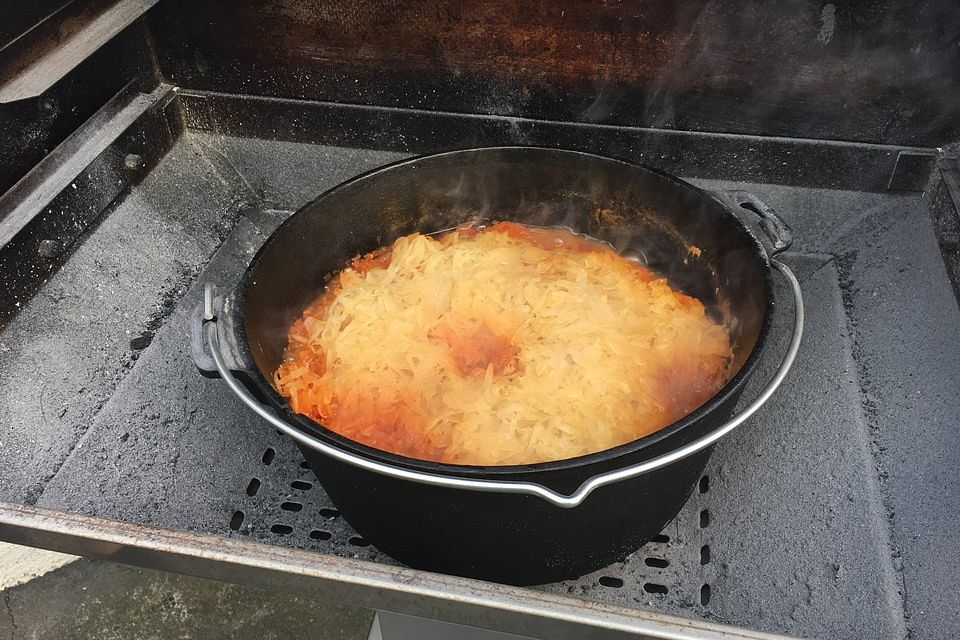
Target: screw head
x=48, y=248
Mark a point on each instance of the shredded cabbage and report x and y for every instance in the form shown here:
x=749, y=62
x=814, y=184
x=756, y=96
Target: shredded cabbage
x=507, y=345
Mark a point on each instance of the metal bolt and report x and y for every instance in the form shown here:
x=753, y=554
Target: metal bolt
x=48, y=248
x=199, y=62
x=133, y=161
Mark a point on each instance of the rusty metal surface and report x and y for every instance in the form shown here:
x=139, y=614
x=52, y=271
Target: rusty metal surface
x=879, y=71
x=438, y=597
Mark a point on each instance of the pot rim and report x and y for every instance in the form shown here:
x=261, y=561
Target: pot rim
x=672, y=430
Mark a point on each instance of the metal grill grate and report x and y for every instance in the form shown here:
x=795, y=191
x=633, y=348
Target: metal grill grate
x=668, y=573
x=283, y=503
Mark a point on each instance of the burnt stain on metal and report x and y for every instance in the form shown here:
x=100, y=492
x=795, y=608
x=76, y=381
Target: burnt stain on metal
x=880, y=72
x=142, y=341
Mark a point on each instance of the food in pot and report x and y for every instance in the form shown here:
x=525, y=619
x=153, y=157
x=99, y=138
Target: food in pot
x=501, y=345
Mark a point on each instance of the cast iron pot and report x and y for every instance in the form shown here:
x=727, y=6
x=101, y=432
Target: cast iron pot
x=518, y=524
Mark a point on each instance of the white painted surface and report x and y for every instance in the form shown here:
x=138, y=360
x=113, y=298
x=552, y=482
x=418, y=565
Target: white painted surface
x=20, y=564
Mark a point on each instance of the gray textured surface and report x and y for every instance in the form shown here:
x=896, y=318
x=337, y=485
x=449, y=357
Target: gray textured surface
x=65, y=353
x=145, y=452
x=287, y=175
x=904, y=332
x=798, y=532
x=148, y=452
x=906, y=328
x=800, y=526
x=104, y=601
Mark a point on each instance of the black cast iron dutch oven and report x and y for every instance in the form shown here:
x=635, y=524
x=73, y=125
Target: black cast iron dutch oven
x=524, y=524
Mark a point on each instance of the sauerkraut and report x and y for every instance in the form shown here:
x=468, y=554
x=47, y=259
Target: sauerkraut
x=499, y=346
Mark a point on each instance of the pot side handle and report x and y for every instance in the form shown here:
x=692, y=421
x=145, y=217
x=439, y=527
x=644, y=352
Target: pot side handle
x=218, y=309
x=775, y=234
x=501, y=486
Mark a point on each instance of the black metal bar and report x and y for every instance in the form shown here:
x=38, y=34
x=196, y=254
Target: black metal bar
x=32, y=128
x=789, y=161
x=52, y=206
x=409, y=591
x=945, y=210
x=950, y=171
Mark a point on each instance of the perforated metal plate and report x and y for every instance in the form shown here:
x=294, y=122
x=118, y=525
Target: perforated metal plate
x=668, y=573
x=282, y=503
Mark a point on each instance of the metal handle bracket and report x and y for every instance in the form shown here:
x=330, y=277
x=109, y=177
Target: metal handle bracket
x=778, y=236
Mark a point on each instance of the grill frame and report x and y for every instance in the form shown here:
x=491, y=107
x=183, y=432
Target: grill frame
x=70, y=532
x=443, y=598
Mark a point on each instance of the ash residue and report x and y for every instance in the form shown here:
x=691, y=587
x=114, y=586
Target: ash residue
x=174, y=289
x=70, y=346
x=904, y=331
x=903, y=317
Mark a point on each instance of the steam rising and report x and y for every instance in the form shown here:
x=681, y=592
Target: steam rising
x=670, y=227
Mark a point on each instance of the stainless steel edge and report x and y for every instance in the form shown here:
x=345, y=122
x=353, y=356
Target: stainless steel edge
x=402, y=590
x=529, y=488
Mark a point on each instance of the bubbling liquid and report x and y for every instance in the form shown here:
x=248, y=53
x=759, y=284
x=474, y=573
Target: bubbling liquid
x=501, y=345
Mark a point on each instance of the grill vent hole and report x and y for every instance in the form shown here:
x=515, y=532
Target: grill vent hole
x=704, y=484
x=269, y=455
x=329, y=513
x=357, y=541
x=253, y=487
x=609, y=581
x=301, y=485
x=317, y=534
x=704, y=519
x=661, y=538
x=705, y=554
x=236, y=520
x=705, y=595
x=291, y=506
x=304, y=465
x=282, y=529
x=653, y=587
x=659, y=563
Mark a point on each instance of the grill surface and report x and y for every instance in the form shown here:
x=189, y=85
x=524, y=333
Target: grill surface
x=282, y=503
x=795, y=529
